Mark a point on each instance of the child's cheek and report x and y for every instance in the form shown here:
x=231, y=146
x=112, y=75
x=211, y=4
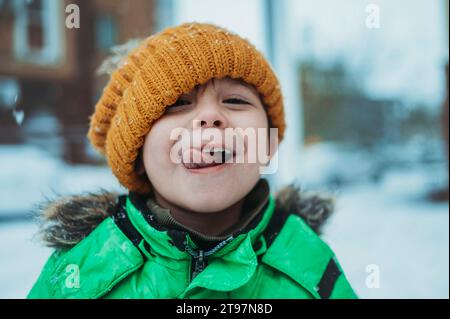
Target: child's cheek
x=157, y=147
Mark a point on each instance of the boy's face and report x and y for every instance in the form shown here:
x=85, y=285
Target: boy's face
x=199, y=181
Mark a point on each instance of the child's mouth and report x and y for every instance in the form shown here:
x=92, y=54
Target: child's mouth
x=208, y=157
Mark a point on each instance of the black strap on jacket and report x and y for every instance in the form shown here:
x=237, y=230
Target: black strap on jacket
x=120, y=217
x=275, y=225
x=328, y=280
x=332, y=271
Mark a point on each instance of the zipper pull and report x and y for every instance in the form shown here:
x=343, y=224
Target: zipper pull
x=199, y=264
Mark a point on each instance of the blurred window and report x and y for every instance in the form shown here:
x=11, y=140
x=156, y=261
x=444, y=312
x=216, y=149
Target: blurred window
x=35, y=27
x=37, y=31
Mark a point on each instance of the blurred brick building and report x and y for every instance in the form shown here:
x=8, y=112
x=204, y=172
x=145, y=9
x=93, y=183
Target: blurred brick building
x=48, y=71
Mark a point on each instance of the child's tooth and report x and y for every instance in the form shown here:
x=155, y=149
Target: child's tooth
x=213, y=150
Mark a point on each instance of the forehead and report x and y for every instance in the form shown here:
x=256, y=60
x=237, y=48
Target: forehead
x=224, y=83
x=235, y=82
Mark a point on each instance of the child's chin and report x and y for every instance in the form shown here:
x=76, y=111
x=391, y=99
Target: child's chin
x=208, y=196
x=205, y=204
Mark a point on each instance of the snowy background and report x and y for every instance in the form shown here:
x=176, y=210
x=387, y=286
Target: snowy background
x=392, y=213
x=389, y=224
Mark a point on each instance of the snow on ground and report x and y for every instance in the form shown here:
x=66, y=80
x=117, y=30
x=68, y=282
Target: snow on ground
x=21, y=259
x=28, y=174
x=407, y=240
x=387, y=224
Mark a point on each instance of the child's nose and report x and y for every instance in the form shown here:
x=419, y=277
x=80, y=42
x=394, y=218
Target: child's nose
x=206, y=124
x=211, y=117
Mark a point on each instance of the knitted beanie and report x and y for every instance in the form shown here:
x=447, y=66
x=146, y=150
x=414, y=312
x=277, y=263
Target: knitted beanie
x=154, y=75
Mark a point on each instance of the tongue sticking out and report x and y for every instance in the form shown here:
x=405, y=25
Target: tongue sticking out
x=209, y=158
x=200, y=165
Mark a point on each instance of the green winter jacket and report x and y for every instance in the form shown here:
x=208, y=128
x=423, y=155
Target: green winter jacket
x=107, y=246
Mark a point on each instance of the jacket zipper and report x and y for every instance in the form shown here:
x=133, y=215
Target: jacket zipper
x=199, y=259
x=199, y=264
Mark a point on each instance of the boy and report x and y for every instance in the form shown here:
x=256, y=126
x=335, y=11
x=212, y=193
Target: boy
x=197, y=223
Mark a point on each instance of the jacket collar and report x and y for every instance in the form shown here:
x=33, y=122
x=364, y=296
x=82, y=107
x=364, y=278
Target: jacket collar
x=238, y=256
x=65, y=220
x=145, y=222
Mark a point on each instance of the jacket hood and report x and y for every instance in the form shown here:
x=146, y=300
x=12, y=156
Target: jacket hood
x=66, y=220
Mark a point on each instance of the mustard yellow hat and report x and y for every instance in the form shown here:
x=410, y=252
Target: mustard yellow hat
x=154, y=75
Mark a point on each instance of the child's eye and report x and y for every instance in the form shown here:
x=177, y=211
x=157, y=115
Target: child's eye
x=236, y=101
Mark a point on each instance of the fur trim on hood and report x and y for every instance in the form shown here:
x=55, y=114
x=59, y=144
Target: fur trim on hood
x=67, y=220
